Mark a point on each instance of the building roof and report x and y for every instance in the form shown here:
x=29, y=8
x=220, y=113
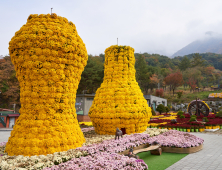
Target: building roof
x=5, y=113
x=13, y=115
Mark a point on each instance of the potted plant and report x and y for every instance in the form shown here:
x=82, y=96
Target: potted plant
x=192, y=128
x=188, y=128
x=174, y=126
x=196, y=128
x=202, y=128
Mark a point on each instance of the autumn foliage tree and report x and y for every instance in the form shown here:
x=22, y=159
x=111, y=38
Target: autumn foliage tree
x=174, y=80
x=192, y=83
x=159, y=92
x=154, y=81
x=9, y=85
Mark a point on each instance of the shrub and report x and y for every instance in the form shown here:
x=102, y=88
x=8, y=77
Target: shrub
x=182, y=116
x=161, y=108
x=167, y=109
x=219, y=114
x=192, y=119
x=205, y=119
x=179, y=94
x=153, y=112
x=180, y=113
x=194, y=116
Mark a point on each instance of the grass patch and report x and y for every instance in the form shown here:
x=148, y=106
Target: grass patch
x=188, y=97
x=156, y=162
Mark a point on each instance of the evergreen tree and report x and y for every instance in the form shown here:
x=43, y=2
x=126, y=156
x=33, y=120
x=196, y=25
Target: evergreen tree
x=142, y=74
x=92, y=75
x=184, y=64
x=197, y=60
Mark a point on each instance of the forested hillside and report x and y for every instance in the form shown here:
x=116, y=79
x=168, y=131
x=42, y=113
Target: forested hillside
x=152, y=71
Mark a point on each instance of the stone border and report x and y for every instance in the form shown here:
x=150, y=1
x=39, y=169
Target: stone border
x=211, y=130
x=168, y=149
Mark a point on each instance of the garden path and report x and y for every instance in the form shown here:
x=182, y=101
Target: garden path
x=4, y=134
x=209, y=158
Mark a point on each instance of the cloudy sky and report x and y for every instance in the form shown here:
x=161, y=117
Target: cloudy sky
x=152, y=26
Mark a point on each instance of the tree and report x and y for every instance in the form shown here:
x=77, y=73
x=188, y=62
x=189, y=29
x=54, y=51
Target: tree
x=9, y=85
x=192, y=83
x=174, y=80
x=197, y=60
x=92, y=75
x=153, y=112
x=167, y=109
x=161, y=108
x=142, y=74
x=154, y=81
x=159, y=92
x=184, y=64
x=194, y=74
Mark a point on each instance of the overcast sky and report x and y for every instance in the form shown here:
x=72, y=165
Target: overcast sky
x=152, y=26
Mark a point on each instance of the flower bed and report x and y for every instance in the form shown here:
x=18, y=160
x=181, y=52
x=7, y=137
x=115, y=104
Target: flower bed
x=38, y=162
x=86, y=123
x=183, y=124
x=102, y=160
x=100, y=155
x=174, y=138
x=115, y=146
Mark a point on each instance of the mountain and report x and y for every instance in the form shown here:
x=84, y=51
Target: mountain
x=211, y=44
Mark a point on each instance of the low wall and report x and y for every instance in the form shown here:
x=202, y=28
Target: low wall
x=83, y=118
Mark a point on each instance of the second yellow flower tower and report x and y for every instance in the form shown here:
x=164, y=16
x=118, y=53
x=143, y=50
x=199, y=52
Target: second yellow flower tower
x=119, y=102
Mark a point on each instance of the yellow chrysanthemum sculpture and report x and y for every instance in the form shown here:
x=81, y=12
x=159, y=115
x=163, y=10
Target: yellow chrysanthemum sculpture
x=119, y=102
x=49, y=57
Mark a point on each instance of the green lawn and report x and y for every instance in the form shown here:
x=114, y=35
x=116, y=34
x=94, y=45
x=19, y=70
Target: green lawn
x=190, y=96
x=156, y=162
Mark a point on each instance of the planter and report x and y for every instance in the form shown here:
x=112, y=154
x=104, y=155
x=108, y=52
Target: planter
x=207, y=127
x=184, y=130
x=174, y=129
x=196, y=130
x=182, y=150
x=221, y=127
x=192, y=130
x=169, y=128
x=178, y=129
x=210, y=127
x=188, y=130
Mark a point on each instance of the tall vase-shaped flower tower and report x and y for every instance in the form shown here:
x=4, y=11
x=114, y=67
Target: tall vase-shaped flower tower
x=49, y=57
x=119, y=102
